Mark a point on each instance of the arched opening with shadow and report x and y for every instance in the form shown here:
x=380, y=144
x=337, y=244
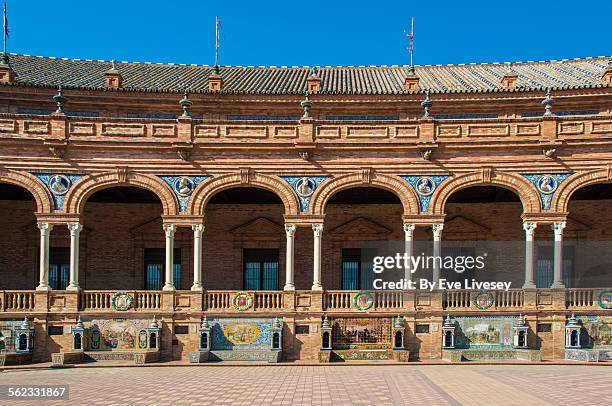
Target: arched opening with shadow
x=587, y=248
x=123, y=242
x=484, y=221
x=244, y=240
x=360, y=223
x=19, y=239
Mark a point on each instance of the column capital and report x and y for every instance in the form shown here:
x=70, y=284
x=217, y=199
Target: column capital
x=530, y=226
x=558, y=227
x=45, y=228
x=75, y=228
x=290, y=230
x=409, y=227
x=170, y=229
x=317, y=229
x=437, y=229
x=197, y=228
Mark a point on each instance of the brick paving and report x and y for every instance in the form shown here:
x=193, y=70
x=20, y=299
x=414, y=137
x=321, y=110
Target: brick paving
x=327, y=385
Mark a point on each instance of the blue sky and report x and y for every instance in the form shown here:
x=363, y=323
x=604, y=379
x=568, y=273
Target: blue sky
x=313, y=32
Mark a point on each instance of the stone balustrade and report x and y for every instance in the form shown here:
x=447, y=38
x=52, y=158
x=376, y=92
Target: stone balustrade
x=332, y=301
x=181, y=130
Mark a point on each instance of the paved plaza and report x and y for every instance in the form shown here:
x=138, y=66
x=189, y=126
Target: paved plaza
x=327, y=385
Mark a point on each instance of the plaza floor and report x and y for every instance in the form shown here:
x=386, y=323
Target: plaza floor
x=326, y=385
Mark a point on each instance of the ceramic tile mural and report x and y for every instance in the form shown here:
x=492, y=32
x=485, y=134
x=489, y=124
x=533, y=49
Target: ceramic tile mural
x=485, y=332
x=7, y=329
x=241, y=333
x=118, y=333
x=599, y=329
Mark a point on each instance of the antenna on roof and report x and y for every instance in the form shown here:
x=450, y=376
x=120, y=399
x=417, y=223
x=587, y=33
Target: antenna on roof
x=6, y=28
x=411, y=47
x=217, y=25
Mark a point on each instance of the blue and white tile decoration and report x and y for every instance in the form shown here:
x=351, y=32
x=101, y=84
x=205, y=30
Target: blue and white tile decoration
x=183, y=187
x=58, y=185
x=546, y=184
x=425, y=186
x=304, y=187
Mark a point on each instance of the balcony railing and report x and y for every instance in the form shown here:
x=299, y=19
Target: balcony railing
x=472, y=130
x=339, y=301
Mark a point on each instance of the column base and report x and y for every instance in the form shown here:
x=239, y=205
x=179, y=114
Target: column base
x=317, y=287
x=557, y=285
x=168, y=288
x=73, y=287
x=197, y=287
x=43, y=287
x=529, y=285
x=289, y=286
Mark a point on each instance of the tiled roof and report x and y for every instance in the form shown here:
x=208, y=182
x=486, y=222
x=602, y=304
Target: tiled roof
x=565, y=74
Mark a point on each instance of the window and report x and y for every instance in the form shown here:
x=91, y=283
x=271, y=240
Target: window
x=260, y=269
x=181, y=329
x=55, y=330
x=59, y=267
x=545, y=266
x=452, y=275
x=154, y=260
x=302, y=329
x=357, y=271
x=422, y=328
x=544, y=327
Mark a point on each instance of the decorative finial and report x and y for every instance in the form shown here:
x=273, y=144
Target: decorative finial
x=216, y=69
x=326, y=322
x=427, y=103
x=25, y=324
x=306, y=105
x=204, y=325
x=549, y=152
x=548, y=103
x=509, y=70
x=185, y=104
x=5, y=59
x=426, y=154
x=154, y=323
x=411, y=71
x=79, y=323
x=448, y=322
x=314, y=71
x=277, y=324
x=399, y=322
x=521, y=321
x=60, y=100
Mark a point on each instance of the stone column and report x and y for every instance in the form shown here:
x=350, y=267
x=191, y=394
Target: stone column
x=558, y=227
x=290, y=231
x=75, y=232
x=45, y=231
x=529, y=228
x=170, y=229
x=437, y=250
x=408, y=236
x=198, y=229
x=316, y=279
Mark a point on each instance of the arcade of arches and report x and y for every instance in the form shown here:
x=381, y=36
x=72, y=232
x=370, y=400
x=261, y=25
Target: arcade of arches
x=122, y=239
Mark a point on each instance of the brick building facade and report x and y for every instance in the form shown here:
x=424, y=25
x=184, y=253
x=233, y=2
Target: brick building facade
x=190, y=188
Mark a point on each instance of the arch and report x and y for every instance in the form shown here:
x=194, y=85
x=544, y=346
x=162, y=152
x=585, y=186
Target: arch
x=519, y=185
x=42, y=197
x=560, y=202
x=393, y=184
x=216, y=184
x=80, y=192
